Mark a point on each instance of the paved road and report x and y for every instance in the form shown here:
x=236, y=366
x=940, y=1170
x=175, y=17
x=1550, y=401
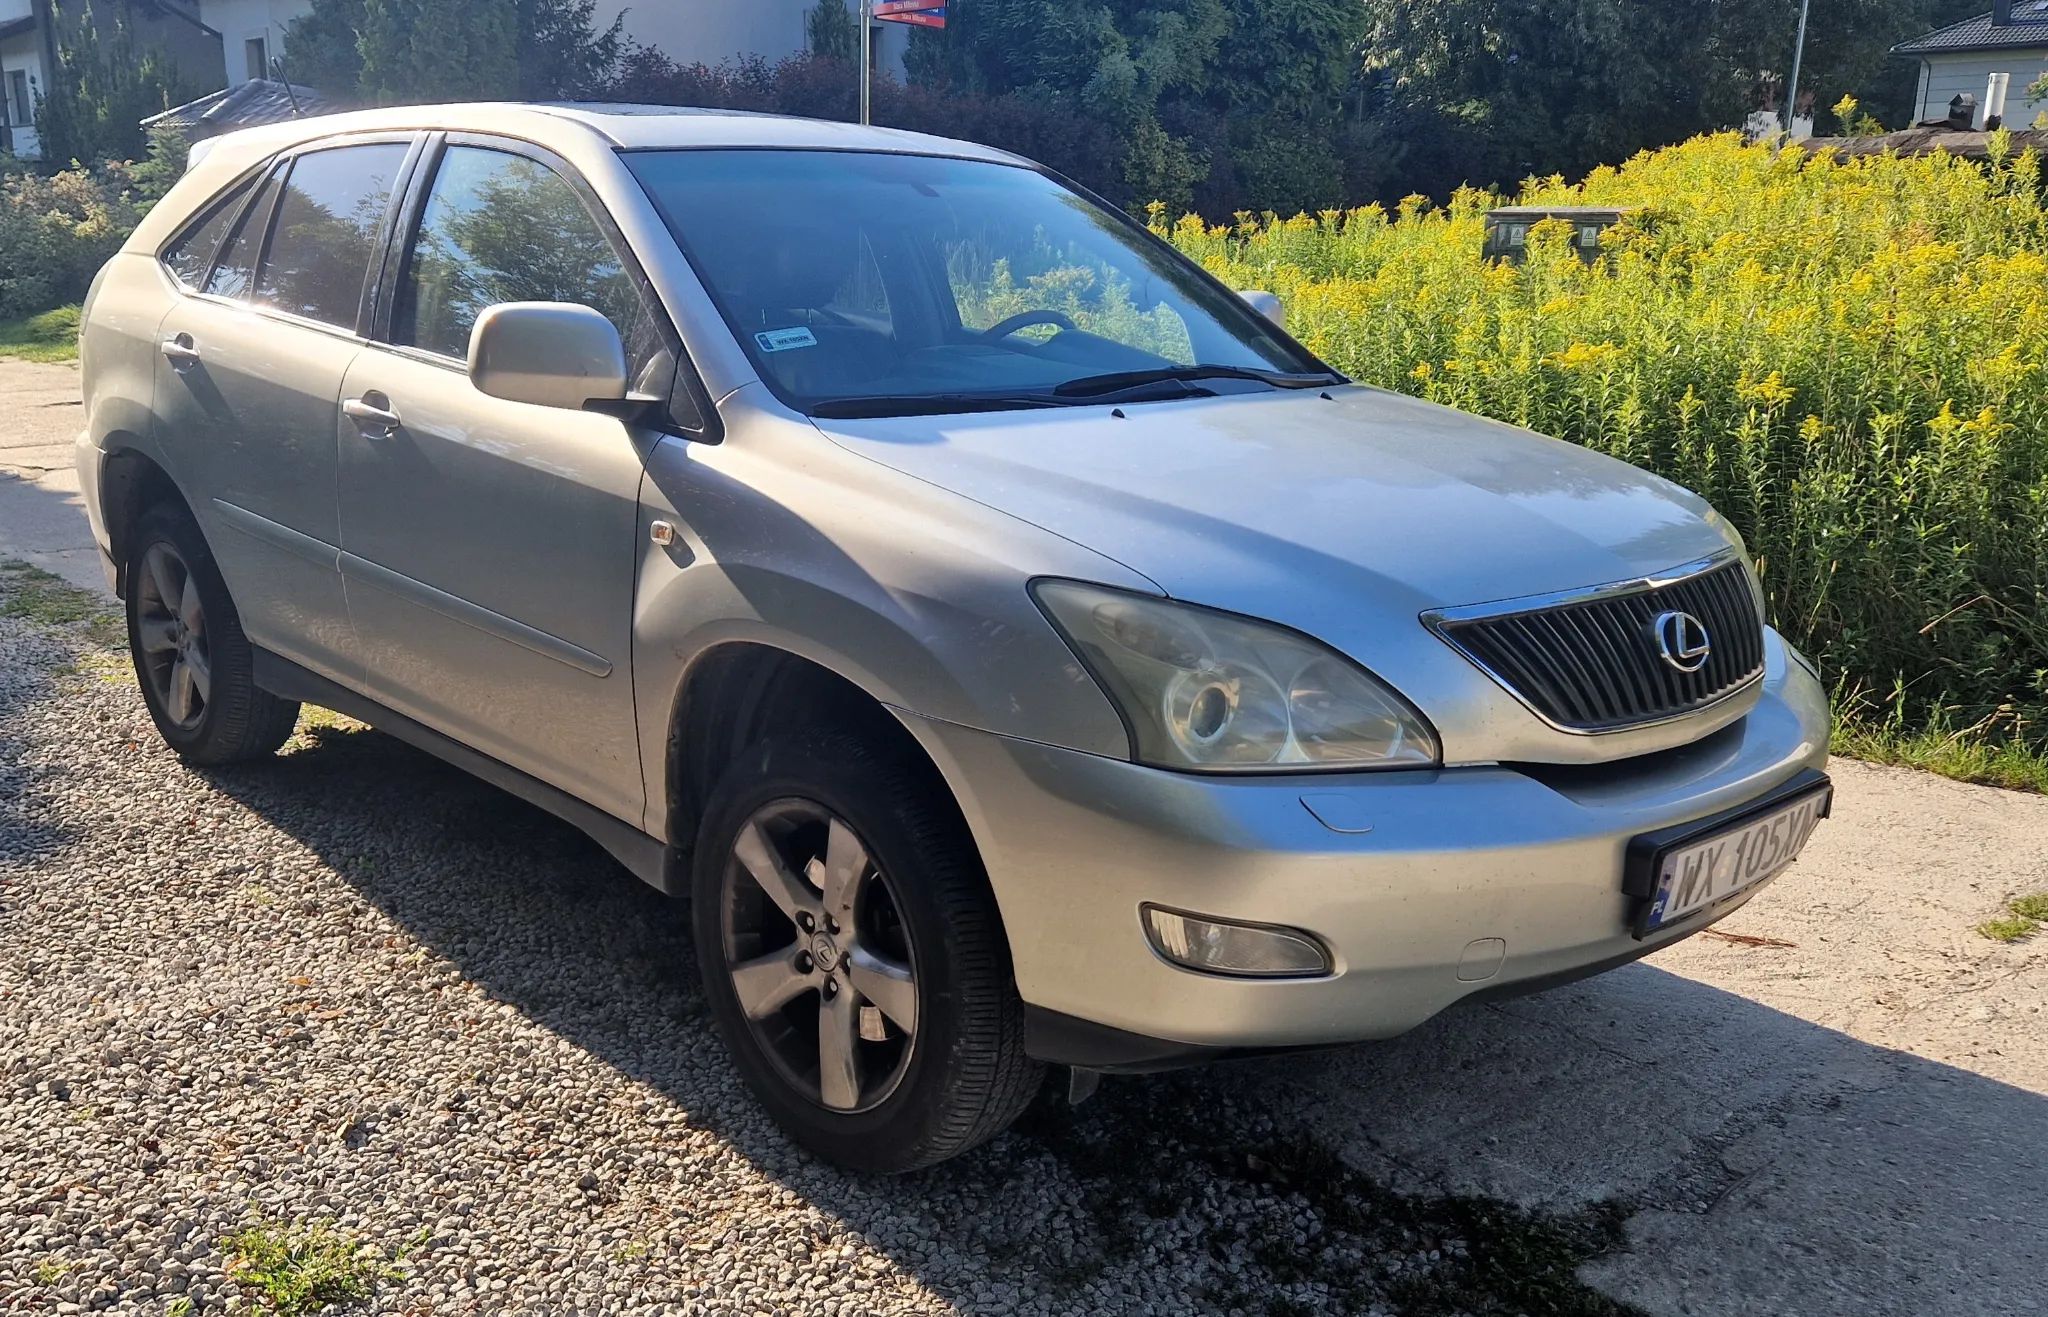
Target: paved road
x=1837, y=1104
x=41, y=519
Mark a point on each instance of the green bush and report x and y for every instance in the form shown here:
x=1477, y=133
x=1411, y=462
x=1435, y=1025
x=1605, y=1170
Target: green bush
x=56, y=232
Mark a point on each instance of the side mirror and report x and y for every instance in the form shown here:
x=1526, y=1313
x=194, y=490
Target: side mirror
x=550, y=354
x=1266, y=305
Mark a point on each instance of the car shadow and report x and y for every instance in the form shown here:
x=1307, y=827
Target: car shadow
x=1699, y=1152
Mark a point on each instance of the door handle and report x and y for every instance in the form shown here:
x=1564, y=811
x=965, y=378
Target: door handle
x=180, y=352
x=372, y=414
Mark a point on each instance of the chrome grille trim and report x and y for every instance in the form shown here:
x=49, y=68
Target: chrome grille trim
x=1584, y=661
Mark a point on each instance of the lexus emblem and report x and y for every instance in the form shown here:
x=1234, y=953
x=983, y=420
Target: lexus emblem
x=1682, y=641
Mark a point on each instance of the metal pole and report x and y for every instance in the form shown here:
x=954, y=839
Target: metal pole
x=1798, y=58
x=867, y=37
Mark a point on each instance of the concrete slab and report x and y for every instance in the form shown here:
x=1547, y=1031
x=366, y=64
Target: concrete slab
x=41, y=519
x=1837, y=1103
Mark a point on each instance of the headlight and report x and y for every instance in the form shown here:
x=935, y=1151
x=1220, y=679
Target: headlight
x=1214, y=691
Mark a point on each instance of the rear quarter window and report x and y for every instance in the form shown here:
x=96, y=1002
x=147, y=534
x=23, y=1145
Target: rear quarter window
x=236, y=269
x=190, y=255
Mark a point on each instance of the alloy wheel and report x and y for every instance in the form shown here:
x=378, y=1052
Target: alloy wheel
x=171, y=637
x=819, y=957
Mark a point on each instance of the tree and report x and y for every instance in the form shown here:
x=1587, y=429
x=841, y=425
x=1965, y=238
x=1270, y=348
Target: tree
x=1490, y=91
x=104, y=86
x=1210, y=99
x=832, y=31
x=391, y=51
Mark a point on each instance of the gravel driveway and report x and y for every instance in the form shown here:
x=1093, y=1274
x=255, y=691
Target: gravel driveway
x=355, y=985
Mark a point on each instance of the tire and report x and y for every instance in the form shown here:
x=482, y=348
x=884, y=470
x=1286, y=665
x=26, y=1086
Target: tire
x=232, y=720
x=959, y=1075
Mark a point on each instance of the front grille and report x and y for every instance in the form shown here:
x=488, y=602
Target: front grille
x=1592, y=664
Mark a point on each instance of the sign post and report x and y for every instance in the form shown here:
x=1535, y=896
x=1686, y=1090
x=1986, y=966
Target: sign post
x=1798, y=58
x=919, y=13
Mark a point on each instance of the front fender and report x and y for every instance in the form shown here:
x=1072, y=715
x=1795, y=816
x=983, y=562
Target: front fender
x=912, y=594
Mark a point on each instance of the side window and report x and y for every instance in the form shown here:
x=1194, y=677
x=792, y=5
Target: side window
x=499, y=227
x=328, y=222
x=235, y=272
x=190, y=257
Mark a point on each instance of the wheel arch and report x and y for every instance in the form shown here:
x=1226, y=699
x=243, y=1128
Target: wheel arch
x=737, y=693
x=132, y=481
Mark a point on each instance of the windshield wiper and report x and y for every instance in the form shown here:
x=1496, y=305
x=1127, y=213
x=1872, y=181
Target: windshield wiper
x=1095, y=386
x=930, y=404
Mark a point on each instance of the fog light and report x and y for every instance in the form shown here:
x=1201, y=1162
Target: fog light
x=1215, y=947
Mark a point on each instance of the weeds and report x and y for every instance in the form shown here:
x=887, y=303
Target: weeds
x=1849, y=359
x=1951, y=754
x=34, y=595
x=2023, y=918
x=294, y=1269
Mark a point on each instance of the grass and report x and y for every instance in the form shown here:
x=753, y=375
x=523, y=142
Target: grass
x=32, y=594
x=298, y=1268
x=1955, y=755
x=50, y=1271
x=2023, y=918
x=318, y=726
x=2033, y=907
x=51, y=336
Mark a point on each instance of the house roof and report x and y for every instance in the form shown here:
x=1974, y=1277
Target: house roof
x=2027, y=31
x=257, y=101
x=14, y=27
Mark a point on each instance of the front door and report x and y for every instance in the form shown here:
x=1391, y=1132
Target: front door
x=251, y=362
x=489, y=547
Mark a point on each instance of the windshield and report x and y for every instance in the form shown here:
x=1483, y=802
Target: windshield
x=874, y=284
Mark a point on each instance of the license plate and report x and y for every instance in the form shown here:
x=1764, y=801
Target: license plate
x=1713, y=866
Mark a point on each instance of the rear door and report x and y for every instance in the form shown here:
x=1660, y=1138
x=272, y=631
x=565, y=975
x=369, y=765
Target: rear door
x=490, y=547
x=252, y=359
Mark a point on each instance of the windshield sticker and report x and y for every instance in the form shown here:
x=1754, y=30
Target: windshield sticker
x=782, y=340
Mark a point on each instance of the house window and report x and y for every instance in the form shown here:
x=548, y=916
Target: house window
x=18, y=103
x=257, y=57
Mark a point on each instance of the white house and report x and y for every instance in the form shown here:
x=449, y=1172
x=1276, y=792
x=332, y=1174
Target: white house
x=251, y=32
x=687, y=31
x=32, y=31
x=21, y=77
x=1960, y=58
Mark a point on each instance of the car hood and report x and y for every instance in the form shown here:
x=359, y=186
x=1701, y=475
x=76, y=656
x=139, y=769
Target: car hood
x=1310, y=507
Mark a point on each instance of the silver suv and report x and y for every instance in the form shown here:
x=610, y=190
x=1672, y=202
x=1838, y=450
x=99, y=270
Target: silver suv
x=1018, y=648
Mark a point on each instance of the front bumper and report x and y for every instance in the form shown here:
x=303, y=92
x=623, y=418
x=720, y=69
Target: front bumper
x=1489, y=879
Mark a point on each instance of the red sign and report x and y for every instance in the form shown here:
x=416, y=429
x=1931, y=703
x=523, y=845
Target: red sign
x=923, y=13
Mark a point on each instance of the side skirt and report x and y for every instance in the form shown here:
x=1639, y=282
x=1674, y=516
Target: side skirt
x=645, y=856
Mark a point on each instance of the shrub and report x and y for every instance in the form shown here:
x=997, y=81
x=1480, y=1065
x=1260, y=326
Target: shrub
x=1850, y=359
x=56, y=232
